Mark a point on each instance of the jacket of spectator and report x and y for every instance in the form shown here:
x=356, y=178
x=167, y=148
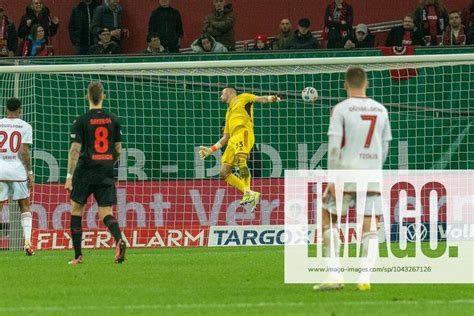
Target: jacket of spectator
x=199, y=46
x=80, y=24
x=367, y=42
x=303, y=41
x=468, y=16
x=43, y=18
x=451, y=39
x=40, y=50
x=149, y=51
x=221, y=26
x=8, y=39
x=399, y=36
x=337, y=24
x=166, y=22
x=105, y=17
x=110, y=48
x=431, y=19
x=282, y=40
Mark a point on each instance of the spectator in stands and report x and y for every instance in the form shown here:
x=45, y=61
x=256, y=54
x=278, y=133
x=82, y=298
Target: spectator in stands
x=166, y=22
x=38, y=13
x=154, y=45
x=303, y=38
x=8, y=39
x=431, y=18
x=468, y=16
x=220, y=24
x=405, y=34
x=359, y=38
x=80, y=26
x=469, y=24
x=105, y=45
x=208, y=44
x=454, y=33
x=286, y=35
x=337, y=23
x=35, y=44
x=260, y=43
x=109, y=15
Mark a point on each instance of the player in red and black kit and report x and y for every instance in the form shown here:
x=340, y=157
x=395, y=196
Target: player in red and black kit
x=96, y=144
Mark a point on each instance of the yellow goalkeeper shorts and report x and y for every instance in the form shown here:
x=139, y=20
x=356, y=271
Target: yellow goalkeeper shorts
x=241, y=143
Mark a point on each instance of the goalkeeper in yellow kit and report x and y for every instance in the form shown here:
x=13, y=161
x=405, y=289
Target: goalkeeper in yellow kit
x=239, y=137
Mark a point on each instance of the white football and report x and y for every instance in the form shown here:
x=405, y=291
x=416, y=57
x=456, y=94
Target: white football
x=309, y=94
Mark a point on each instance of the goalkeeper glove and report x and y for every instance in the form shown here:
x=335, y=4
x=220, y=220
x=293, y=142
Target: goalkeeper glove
x=204, y=151
x=276, y=98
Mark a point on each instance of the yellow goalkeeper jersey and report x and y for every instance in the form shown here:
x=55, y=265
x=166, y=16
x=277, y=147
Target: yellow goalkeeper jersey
x=239, y=114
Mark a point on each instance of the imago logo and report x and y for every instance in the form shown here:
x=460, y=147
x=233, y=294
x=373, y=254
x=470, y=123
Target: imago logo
x=400, y=217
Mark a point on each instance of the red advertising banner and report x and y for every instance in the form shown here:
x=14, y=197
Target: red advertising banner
x=169, y=204
x=135, y=238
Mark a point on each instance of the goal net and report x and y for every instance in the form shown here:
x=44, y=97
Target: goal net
x=167, y=196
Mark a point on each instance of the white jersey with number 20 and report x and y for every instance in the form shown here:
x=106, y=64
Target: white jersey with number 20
x=13, y=133
x=364, y=125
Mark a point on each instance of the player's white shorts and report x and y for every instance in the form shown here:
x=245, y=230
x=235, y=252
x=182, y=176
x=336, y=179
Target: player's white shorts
x=18, y=189
x=373, y=203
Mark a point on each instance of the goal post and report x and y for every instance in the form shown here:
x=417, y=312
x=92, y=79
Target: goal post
x=167, y=196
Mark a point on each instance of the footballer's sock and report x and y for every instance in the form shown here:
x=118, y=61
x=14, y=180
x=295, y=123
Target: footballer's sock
x=331, y=248
x=76, y=232
x=27, y=223
x=113, y=227
x=234, y=181
x=368, y=254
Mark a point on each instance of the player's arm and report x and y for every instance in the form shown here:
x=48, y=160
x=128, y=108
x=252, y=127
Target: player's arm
x=206, y=151
x=25, y=157
x=268, y=99
x=117, y=151
x=334, y=152
x=74, y=152
x=72, y=159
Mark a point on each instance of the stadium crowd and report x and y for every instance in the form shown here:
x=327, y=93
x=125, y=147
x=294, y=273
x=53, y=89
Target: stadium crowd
x=96, y=27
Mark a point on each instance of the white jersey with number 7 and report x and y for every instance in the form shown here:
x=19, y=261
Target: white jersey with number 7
x=13, y=133
x=364, y=125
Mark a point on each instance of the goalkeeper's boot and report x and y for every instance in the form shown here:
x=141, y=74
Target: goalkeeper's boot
x=120, y=251
x=255, y=201
x=363, y=287
x=246, y=198
x=332, y=283
x=28, y=249
x=78, y=260
x=328, y=287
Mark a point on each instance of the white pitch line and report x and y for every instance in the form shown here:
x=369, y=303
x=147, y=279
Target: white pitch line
x=221, y=306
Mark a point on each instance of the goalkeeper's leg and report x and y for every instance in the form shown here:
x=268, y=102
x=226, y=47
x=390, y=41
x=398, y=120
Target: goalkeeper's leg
x=232, y=179
x=249, y=196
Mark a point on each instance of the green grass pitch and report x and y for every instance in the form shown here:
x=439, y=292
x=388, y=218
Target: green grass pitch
x=199, y=281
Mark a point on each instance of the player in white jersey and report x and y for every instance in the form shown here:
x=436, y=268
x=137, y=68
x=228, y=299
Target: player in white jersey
x=16, y=175
x=359, y=136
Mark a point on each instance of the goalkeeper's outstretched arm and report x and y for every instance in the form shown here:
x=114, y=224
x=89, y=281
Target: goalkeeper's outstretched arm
x=206, y=151
x=268, y=99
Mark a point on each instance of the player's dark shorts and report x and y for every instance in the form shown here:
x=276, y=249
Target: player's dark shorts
x=105, y=195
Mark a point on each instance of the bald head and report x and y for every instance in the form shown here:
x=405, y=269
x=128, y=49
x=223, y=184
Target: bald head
x=228, y=94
